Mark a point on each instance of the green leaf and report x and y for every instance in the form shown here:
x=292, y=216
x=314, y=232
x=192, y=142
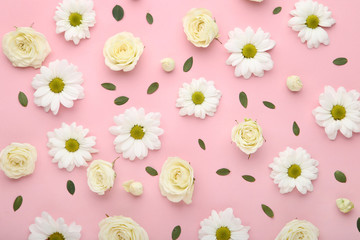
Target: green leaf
x=149, y=18
x=70, y=187
x=248, y=178
x=151, y=171
x=358, y=224
x=23, y=99
x=277, y=10
x=340, y=61
x=118, y=13
x=340, y=176
x=269, y=104
x=108, y=86
x=17, y=203
x=153, y=87
x=267, y=210
x=223, y=171
x=243, y=99
x=202, y=144
x=188, y=64
x=121, y=100
x=296, y=129
x=176, y=232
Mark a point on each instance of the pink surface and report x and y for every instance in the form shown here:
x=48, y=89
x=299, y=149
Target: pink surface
x=45, y=190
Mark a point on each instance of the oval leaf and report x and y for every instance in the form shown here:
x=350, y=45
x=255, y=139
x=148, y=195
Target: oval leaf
x=153, y=87
x=202, y=144
x=340, y=61
x=243, y=99
x=176, y=232
x=149, y=18
x=121, y=100
x=118, y=13
x=188, y=64
x=340, y=176
x=267, y=210
x=248, y=178
x=23, y=99
x=108, y=86
x=151, y=171
x=223, y=171
x=296, y=129
x=269, y=104
x=17, y=203
x=277, y=10
x=70, y=187
x=358, y=224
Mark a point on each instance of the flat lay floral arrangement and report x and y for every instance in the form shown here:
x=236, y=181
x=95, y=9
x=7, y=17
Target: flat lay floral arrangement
x=179, y=120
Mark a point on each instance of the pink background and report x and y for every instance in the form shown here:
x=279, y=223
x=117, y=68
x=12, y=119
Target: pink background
x=45, y=189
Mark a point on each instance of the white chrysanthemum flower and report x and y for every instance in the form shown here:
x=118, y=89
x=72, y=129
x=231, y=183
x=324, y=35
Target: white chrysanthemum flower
x=46, y=228
x=248, y=52
x=294, y=168
x=339, y=110
x=309, y=20
x=200, y=97
x=70, y=147
x=74, y=17
x=223, y=226
x=136, y=132
x=57, y=84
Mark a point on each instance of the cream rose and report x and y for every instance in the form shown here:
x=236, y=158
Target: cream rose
x=177, y=180
x=122, y=51
x=133, y=187
x=18, y=160
x=294, y=83
x=344, y=205
x=248, y=136
x=298, y=229
x=101, y=176
x=200, y=27
x=119, y=227
x=25, y=47
x=168, y=64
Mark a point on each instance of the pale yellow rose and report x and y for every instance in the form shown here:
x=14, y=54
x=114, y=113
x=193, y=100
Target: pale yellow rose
x=18, y=160
x=101, y=176
x=168, y=64
x=200, y=27
x=133, y=187
x=294, y=83
x=25, y=47
x=122, y=51
x=344, y=205
x=298, y=230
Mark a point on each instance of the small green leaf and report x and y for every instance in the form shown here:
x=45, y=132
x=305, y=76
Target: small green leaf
x=340, y=61
x=153, y=87
x=149, y=18
x=267, y=210
x=340, y=176
x=176, y=232
x=23, y=99
x=108, y=86
x=358, y=224
x=17, y=203
x=151, y=171
x=269, y=104
x=296, y=129
x=277, y=10
x=243, y=99
x=202, y=144
x=248, y=178
x=70, y=187
x=223, y=171
x=121, y=100
x=188, y=64
x=118, y=13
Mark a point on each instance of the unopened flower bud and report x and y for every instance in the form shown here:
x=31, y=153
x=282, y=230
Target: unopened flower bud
x=168, y=64
x=294, y=83
x=344, y=205
x=135, y=188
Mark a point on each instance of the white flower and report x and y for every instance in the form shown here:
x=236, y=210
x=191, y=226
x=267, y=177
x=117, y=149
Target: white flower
x=135, y=188
x=294, y=168
x=57, y=84
x=248, y=136
x=309, y=20
x=177, y=180
x=100, y=176
x=200, y=27
x=70, y=147
x=18, y=160
x=119, y=227
x=223, y=226
x=136, y=133
x=122, y=51
x=339, y=110
x=46, y=228
x=25, y=47
x=344, y=205
x=200, y=97
x=74, y=17
x=248, y=52
x=298, y=230
x=294, y=83
x=168, y=64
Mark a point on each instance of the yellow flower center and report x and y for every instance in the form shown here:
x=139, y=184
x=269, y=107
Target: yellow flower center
x=72, y=145
x=137, y=132
x=75, y=19
x=294, y=171
x=57, y=85
x=56, y=236
x=249, y=50
x=312, y=21
x=198, y=98
x=223, y=233
x=338, y=112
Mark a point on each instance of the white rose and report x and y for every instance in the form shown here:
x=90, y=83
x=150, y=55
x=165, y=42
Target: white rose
x=200, y=27
x=177, y=180
x=135, y=188
x=101, y=176
x=248, y=136
x=122, y=51
x=25, y=47
x=344, y=205
x=294, y=83
x=297, y=230
x=119, y=227
x=168, y=64
x=18, y=160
